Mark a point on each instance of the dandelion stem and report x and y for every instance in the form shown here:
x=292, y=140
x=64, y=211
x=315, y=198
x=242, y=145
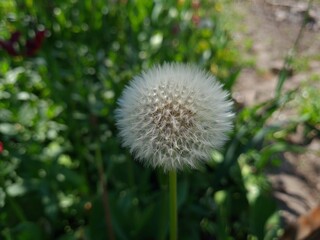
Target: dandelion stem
x=173, y=205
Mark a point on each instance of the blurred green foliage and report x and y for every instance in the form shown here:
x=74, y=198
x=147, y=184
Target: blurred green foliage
x=59, y=137
x=309, y=103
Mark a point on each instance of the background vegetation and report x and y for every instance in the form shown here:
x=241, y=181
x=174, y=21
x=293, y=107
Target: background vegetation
x=63, y=66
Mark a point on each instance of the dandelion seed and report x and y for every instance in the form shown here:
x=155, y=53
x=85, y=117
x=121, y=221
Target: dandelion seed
x=173, y=116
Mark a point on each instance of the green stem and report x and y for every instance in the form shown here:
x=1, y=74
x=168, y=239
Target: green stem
x=283, y=75
x=173, y=205
x=105, y=195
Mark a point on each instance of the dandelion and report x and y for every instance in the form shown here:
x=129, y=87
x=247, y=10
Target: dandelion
x=173, y=116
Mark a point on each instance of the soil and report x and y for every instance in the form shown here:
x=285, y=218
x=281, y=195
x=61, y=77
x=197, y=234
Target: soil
x=269, y=28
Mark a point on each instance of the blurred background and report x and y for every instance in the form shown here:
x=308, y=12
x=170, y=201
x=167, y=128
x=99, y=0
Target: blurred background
x=63, y=173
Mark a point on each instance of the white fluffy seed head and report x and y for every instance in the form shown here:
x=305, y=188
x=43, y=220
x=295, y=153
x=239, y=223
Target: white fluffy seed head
x=173, y=116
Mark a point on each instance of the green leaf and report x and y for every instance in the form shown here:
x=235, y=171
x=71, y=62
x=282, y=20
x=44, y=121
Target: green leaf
x=260, y=211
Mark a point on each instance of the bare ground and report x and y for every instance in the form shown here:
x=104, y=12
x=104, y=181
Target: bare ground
x=269, y=28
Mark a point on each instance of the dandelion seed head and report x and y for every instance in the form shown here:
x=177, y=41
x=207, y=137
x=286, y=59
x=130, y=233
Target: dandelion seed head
x=173, y=116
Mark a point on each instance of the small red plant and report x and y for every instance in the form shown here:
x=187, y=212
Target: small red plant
x=34, y=44
x=14, y=47
x=9, y=45
x=1, y=147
